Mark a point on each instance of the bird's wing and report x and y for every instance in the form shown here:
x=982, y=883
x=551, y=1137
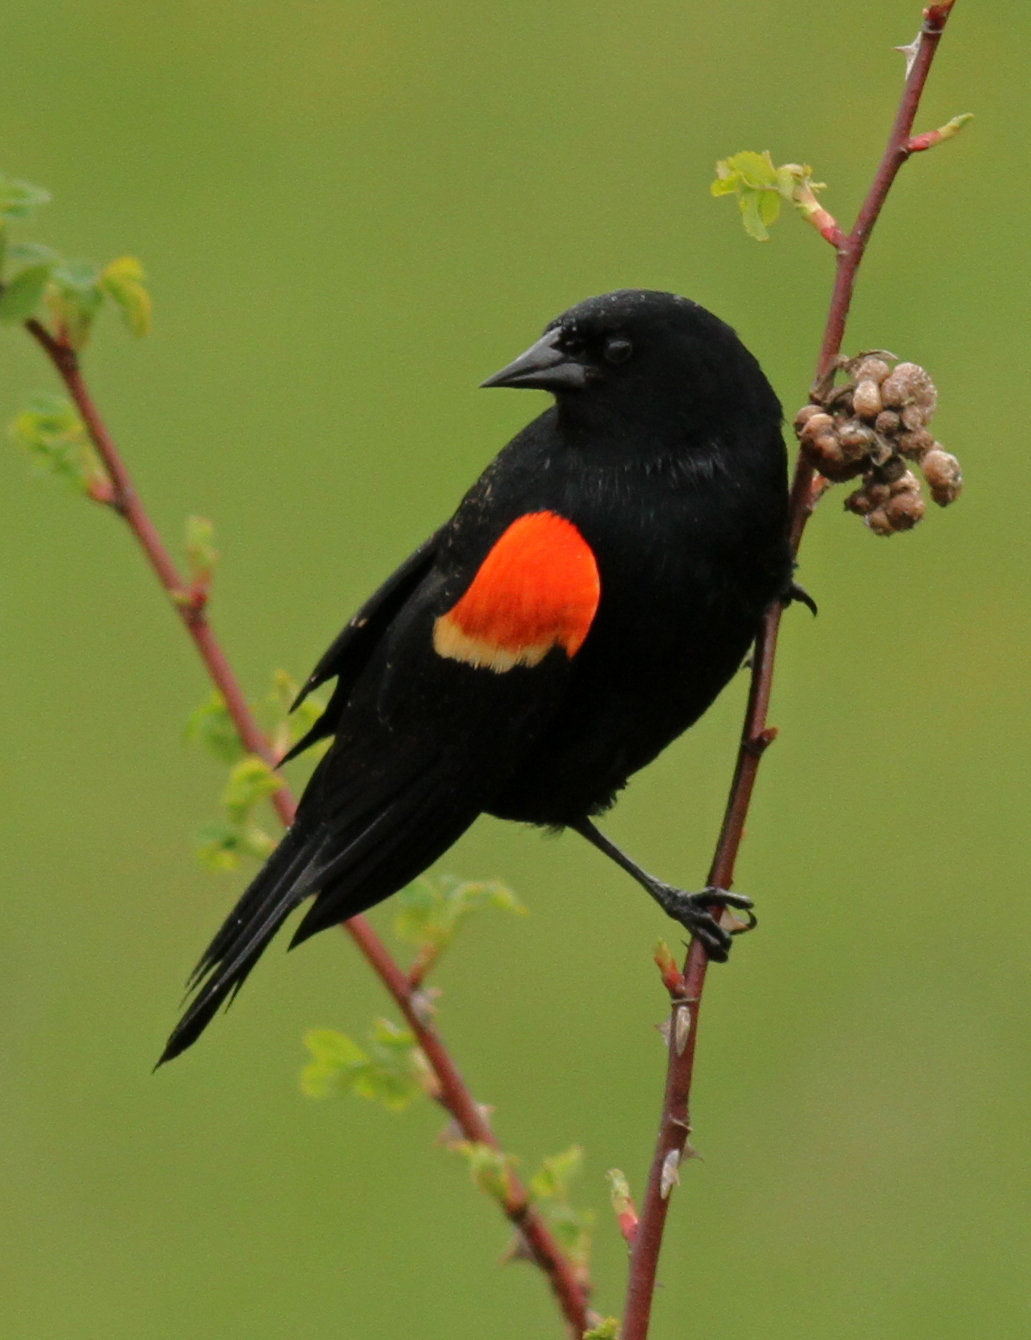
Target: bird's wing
x=471, y=671
x=349, y=651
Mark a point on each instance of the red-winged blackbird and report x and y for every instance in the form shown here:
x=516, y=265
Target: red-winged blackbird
x=597, y=587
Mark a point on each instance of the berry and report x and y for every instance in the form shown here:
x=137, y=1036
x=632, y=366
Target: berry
x=866, y=399
x=905, y=509
x=943, y=474
x=871, y=368
x=909, y=384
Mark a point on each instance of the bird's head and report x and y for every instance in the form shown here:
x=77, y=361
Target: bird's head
x=650, y=356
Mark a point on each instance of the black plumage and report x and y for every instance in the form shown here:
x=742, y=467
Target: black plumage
x=596, y=588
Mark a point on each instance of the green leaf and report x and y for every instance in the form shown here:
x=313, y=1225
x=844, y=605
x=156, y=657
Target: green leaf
x=222, y=845
x=74, y=298
x=23, y=294
x=619, y=1190
x=761, y=187
x=81, y=276
x=250, y=781
x=122, y=280
x=752, y=169
x=334, y=1058
x=488, y=1167
x=387, y=1070
x=605, y=1330
x=751, y=216
x=235, y=836
x=550, y=1186
x=284, y=690
x=769, y=207
x=287, y=728
x=51, y=431
x=430, y=911
x=19, y=199
x=573, y=1229
x=551, y=1180
x=211, y=726
x=20, y=254
x=392, y=1038
x=201, y=554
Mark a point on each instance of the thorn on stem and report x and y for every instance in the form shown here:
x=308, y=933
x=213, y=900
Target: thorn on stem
x=422, y=1003
x=909, y=51
x=681, y=1027
x=517, y=1250
x=670, y=1175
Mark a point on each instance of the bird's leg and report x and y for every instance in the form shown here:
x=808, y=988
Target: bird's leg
x=690, y=909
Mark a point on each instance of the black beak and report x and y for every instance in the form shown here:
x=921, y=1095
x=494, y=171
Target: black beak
x=544, y=366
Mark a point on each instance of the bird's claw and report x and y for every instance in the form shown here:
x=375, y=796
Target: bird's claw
x=692, y=910
x=798, y=594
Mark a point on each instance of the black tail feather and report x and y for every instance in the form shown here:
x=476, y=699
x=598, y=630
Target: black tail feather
x=226, y=962
x=276, y=873
x=418, y=829
x=380, y=839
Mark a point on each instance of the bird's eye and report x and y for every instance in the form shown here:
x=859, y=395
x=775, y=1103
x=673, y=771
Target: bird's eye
x=617, y=349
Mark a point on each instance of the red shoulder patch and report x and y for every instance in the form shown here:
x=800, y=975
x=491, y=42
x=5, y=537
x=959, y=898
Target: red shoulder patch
x=538, y=588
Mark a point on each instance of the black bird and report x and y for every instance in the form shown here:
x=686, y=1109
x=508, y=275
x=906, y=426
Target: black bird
x=594, y=591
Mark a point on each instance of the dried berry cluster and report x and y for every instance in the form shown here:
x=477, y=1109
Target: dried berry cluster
x=870, y=427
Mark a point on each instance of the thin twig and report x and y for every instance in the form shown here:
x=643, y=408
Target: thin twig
x=675, y=1125
x=569, y=1290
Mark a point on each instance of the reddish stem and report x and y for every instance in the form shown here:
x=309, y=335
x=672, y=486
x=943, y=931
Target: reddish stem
x=570, y=1292
x=675, y=1124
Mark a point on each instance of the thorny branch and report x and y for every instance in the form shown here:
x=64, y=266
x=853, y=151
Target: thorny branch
x=686, y=992
x=566, y=1281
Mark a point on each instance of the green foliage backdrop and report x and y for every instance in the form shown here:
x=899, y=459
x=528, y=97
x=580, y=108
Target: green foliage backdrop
x=350, y=214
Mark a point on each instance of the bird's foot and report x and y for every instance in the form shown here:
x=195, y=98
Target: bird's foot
x=692, y=911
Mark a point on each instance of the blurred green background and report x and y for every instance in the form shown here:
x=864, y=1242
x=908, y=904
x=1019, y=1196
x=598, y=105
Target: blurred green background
x=350, y=214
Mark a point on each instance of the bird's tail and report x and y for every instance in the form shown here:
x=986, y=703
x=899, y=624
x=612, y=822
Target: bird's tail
x=381, y=833
x=268, y=901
